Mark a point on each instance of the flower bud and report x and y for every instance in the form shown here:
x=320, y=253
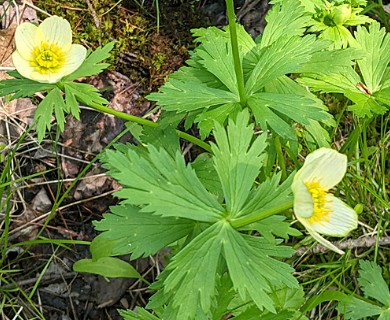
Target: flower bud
x=341, y=14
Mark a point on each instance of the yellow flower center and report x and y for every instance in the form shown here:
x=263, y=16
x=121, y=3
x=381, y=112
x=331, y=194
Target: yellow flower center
x=47, y=58
x=320, y=209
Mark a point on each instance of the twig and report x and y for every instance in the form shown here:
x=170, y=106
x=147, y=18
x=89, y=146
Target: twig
x=347, y=244
x=45, y=279
x=93, y=14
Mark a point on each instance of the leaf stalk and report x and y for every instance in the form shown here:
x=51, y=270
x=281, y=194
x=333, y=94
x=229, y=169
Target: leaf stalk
x=236, y=54
x=244, y=221
x=144, y=122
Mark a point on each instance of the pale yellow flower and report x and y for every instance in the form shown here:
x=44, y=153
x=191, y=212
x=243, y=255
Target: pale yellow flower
x=45, y=53
x=318, y=210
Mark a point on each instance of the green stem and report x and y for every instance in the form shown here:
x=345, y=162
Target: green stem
x=144, y=122
x=236, y=54
x=243, y=221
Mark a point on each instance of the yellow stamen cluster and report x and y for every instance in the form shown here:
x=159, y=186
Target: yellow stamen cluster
x=320, y=210
x=47, y=58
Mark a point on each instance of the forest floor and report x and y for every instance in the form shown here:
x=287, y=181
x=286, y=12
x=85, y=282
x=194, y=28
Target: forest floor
x=58, y=192
x=58, y=188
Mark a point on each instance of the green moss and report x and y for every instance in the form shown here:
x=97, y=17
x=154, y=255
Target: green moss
x=142, y=53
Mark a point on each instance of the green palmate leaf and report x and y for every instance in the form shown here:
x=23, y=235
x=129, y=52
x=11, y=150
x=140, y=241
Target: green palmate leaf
x=371, y=281
x=287, y=303
x=43, y=114
x=162, y=184
x=163, y=136
x=224, y=296
x=274, y=225
x=92, y=64
x=196, y=73
x=348, y=83
x=374, y=286
x=365, y=92
x=72, y=106
x=245, y=41
x=192, y=274
x=385, y=315
x=315, y=131
x=375, y=42
x=289, y=298
x=331, y=62
x=346, y=80
x=218, y=114
x=210, y=77
x=252, y=270
x=21, y=87
x=253, y=313
x=285, y=85
x=107, y=267
x=288, y=19
x=283, y=56
x=83, y=93
x=356, y=309
x=174, y=205
x=138, y=314
x=138, y=233
x=339, y=35
x=364, y=104
x=277, y=111
x=383, y=96
x=205, y=170
x=267, y=195
x=179, y=95
x=216, y=56
x=237, y=160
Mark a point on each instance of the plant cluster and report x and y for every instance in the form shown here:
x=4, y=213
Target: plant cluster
x=223, y=214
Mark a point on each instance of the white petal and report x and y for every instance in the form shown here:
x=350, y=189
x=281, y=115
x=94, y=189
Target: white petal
x=58, y=31
x=326, y=165
x=26, y=70
x=23, y=66
x=73, y=59
x=25, y=39
x=342, y=219
x=303, y=201
x=318, y=238
x=323, y=241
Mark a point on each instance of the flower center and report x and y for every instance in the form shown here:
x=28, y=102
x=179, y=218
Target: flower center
x=320, y=209
x=47, y=58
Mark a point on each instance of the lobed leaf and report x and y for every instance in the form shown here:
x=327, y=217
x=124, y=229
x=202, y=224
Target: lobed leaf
x=216, y=56
x=237, y=160
x=207, y=119
x=92, y=64
x=285, y=55
x=277, y=111
x=44, y=112
x=375, y=42
x=84, y=93
x=138, y=314
x=372, y=283
x=193, y=273
x=289, y=19
x=355, y=309
x=138, y=233
x=22, y=87
x=178, y=95
x=252, y=270
x=161, y=184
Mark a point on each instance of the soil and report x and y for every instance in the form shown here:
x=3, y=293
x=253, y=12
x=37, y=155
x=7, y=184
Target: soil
x=139, y=68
